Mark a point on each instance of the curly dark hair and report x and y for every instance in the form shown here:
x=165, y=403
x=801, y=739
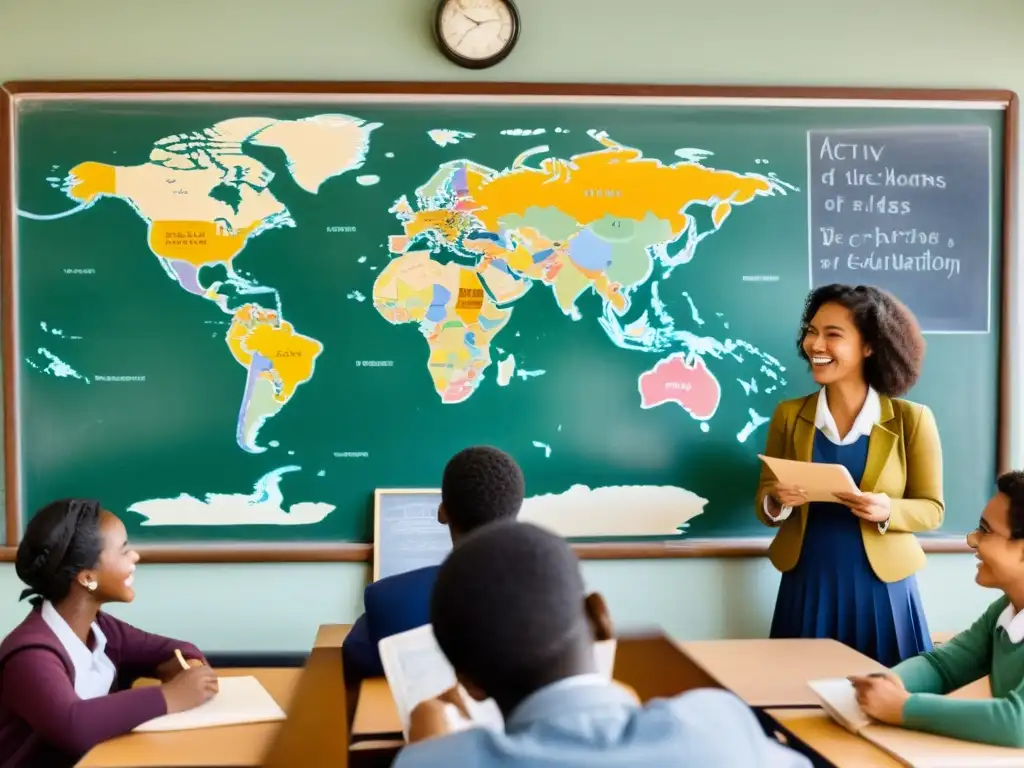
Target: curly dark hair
x=885, y=324
x=481, y=485
x=1012, y=485
x=61, y=540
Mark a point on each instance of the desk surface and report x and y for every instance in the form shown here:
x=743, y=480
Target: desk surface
x=833, y=742
x=774, y=673
x=376, y=713
x=237, y=746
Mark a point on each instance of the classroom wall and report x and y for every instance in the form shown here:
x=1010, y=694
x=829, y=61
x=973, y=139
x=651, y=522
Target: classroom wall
x=911, y=43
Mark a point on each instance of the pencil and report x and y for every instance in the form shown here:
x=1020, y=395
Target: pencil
x=181, y=659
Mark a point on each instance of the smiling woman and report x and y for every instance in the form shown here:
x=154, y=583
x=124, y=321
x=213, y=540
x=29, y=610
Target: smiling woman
x=848, y=568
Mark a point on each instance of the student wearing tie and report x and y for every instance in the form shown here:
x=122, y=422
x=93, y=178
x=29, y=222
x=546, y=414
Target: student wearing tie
x=66, y=671
x=848, y=568
x=511, y=614
x=914, y=694
x=480, y=485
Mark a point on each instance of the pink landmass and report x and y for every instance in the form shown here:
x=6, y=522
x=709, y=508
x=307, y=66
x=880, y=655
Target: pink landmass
x=672, y=380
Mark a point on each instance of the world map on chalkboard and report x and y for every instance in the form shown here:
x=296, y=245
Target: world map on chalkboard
x=412, y=286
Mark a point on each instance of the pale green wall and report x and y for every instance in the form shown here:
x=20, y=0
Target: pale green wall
x=931, y=43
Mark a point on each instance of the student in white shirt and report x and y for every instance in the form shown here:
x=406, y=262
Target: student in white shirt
x=848, y=568
x=510, y=613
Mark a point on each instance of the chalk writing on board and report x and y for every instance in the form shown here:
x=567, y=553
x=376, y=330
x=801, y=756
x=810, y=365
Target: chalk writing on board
x=408, y=535
x=907, y=210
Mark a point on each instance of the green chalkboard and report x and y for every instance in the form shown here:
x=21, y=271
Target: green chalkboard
x=236, y=311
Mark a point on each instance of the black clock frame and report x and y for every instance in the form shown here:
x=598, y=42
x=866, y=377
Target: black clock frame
x=467, y=63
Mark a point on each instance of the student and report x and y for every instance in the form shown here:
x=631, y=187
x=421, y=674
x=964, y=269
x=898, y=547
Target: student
x=480, y=485
x=511, y=614
x=66, y=671
x=912, y=696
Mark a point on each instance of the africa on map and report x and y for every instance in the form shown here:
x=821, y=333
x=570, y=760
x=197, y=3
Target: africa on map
x=304, y=303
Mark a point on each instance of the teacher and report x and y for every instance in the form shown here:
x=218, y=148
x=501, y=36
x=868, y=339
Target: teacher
x=848, y=568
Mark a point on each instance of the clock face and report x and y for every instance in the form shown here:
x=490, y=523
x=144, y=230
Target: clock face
x=477, y=30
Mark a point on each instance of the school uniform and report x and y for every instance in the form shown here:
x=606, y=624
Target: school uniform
x=993, y=646
x=60, y=697
x=586, y=722
x=843, y=577
x=394, y=604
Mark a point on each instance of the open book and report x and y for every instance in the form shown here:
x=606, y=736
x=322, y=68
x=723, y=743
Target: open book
x=417, y=670
x=914, y=749
x=240, y=700
x=839, y=700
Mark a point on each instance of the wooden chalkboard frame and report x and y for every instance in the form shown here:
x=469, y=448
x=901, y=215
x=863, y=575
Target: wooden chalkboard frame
x=348, y=552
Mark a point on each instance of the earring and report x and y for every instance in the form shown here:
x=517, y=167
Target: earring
x=91, y=586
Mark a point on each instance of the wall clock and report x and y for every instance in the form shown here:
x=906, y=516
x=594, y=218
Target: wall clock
x=476, y=34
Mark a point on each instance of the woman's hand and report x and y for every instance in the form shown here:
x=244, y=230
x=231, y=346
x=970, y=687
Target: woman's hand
x=873, y=507
x=170, y=669
x=190, y=688
x=881, y=697
x=787, y=495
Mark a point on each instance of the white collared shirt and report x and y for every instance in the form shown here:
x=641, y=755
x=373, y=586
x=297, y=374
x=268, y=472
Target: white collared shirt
x=94, y=671
x=870, y=414
x=1012, y=622
x=825, y=422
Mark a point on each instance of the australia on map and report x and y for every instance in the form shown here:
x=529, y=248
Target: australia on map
x=603, y=221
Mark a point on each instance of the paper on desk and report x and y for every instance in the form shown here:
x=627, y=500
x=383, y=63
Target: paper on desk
x=417, y=670
x=839, y=700
x=240, y=700
x=820, y=481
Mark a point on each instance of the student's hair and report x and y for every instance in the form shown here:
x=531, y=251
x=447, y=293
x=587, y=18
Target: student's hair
x=1012, y=485
x=508, y=608
x=885, y=324
x=481, y=485
x=61, y=540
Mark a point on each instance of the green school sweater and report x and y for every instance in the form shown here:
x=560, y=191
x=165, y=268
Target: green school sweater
x=983, y=649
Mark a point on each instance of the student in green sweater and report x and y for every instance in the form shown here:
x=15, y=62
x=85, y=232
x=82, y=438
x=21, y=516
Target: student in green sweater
x=912, y=695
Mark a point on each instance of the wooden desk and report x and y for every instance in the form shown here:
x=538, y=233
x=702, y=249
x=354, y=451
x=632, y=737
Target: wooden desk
x=831, y=741
x=331, y=635
x=774, y=673
x=376, y=714
x=236, y=746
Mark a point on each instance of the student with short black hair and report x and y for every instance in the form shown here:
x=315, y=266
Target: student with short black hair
x=480, y=485
x=66, y=671
x=914, y=694
x=511, y=614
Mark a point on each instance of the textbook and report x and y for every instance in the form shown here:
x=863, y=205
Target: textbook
x=239, y=701
x=417, y=670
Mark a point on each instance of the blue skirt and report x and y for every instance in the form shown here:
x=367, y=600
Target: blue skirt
x=833, y=592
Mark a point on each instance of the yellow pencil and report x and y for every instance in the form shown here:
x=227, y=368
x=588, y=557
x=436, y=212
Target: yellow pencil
x=181, y=659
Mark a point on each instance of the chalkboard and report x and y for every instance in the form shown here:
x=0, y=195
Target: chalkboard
x=233, y=311
x=406, y=534
x=908, y=210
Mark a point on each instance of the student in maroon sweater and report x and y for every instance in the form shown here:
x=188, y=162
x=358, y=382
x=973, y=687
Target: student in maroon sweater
x=66, y=671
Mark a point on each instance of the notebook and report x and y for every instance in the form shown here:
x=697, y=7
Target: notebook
x=417, y=670
x=820, y=481
x=839, y=700
x=914, y=749
x=240, y=700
